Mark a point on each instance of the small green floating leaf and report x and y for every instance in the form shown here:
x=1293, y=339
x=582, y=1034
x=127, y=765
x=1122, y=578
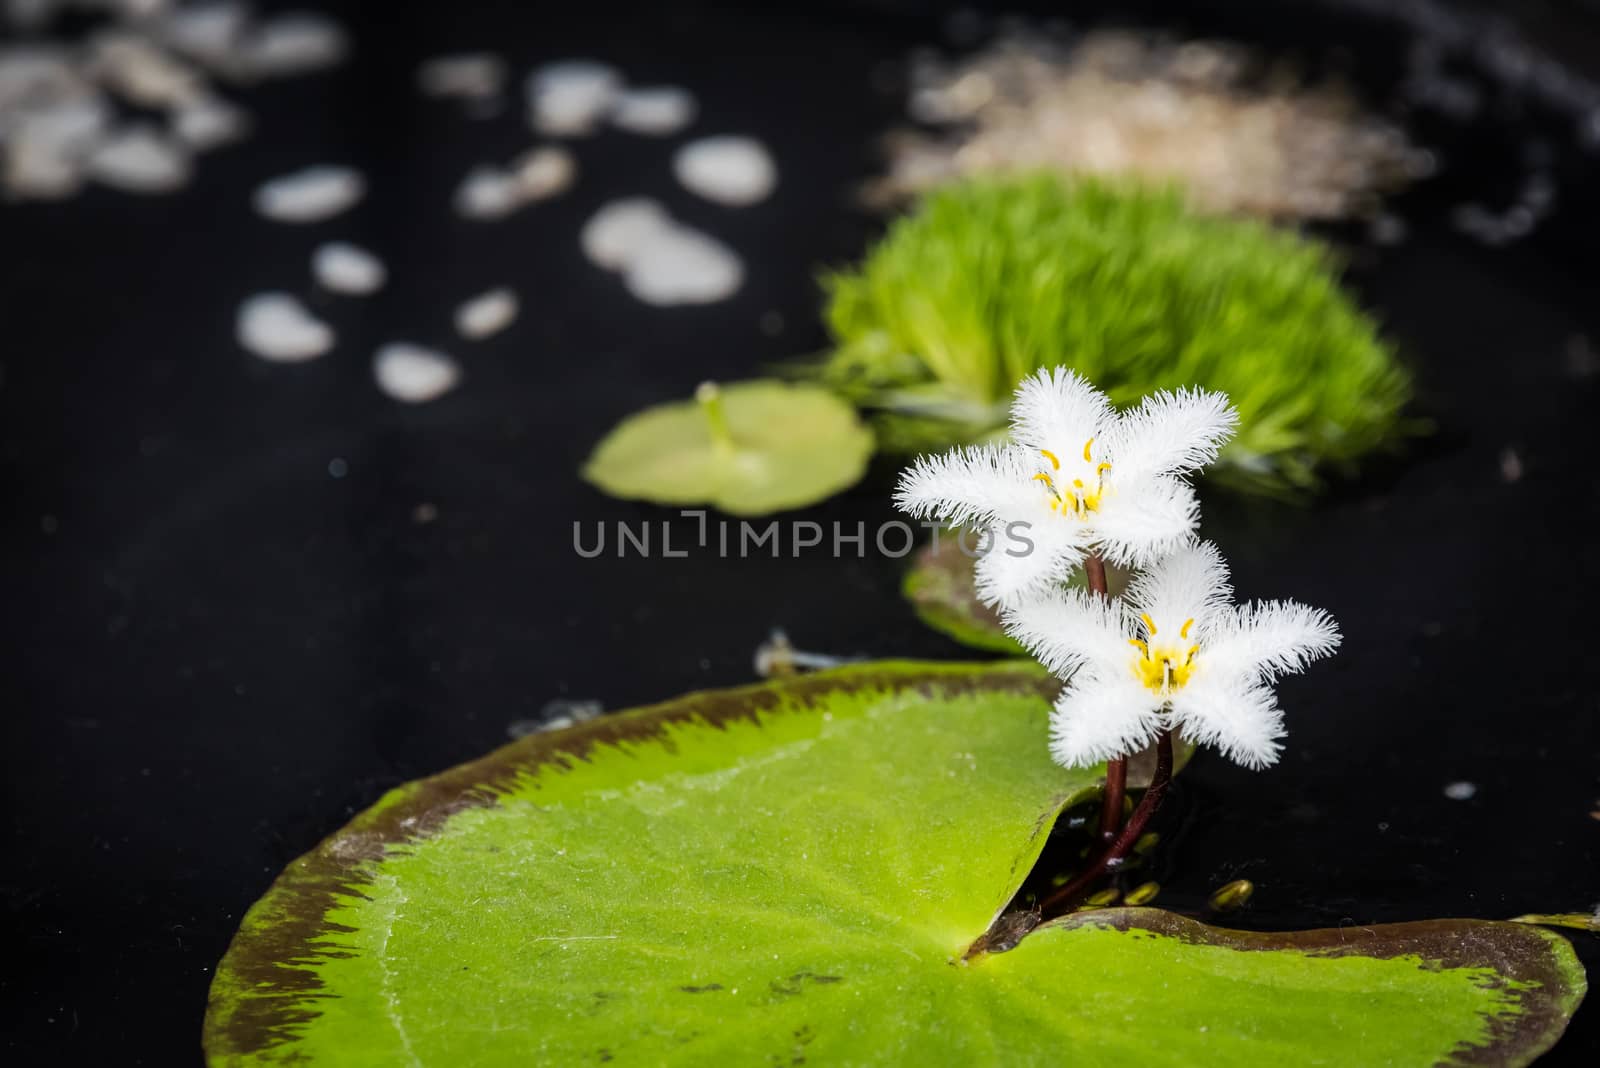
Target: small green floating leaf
x=795, y=871
x=749, y=448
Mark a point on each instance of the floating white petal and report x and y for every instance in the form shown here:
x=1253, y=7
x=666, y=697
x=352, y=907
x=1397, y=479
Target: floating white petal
x=683, y=266
x=208, y=33
x=341, y=267
x=310, y=195
x=277, y=327
x=205, y=122
x=655, y=111
x=39, y=171
x=570, y=98
x=488, y=193
x=292, y=43
x=140, y=160
x=141, y=72
x=35, y=74
x=544, y=172
x=466, y=75
x=44, y=147
x=614, y=234
x=729, y=170
x=486, y=314
x=662, y=262
x=413, y=374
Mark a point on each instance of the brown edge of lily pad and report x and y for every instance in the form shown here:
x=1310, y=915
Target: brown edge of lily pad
x=265, y=989
x=1517, y=952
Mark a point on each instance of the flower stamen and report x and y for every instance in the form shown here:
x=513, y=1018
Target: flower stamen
x=1081, y=498
x=1163, y=669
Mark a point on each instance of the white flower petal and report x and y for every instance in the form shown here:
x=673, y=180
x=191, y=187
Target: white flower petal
x=1066, y=629
x=1144, y=519
x=1189, y=583
x=977, y=485
x=1030, y=551
x=1058, y=409
x=1171, y=433
x=1269, y=638
x=1232, y=713
x=1101, y=715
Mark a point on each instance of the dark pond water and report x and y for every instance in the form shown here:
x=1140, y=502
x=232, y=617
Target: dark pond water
x=217, y=652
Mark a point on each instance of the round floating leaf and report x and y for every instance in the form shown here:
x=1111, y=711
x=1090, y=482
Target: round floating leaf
x=749, y=449
x=942, y=589
x=794, y=872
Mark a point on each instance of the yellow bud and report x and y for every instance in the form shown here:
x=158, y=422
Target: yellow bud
x=1142, y=893
x=1234, y=895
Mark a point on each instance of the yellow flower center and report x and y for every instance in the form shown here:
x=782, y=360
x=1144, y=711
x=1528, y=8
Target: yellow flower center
x=1076, y=498
x=1164, y=668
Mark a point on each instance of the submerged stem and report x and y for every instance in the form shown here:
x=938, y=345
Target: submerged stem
x=1094, y=571
x=710, y=398
x=1057, y=902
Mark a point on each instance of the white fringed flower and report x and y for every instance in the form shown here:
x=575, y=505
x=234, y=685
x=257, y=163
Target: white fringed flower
x=1175, y=652
x=1078, y=478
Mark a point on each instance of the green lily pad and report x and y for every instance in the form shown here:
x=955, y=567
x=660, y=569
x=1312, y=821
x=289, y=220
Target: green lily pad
x=749, y=448
x=793, y=872
x=944, y=593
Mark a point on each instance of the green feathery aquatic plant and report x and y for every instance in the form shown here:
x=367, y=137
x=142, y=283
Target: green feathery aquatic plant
x=990, y=280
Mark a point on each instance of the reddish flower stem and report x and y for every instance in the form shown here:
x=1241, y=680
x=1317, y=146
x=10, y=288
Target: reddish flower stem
x=1058, y=902
x=1094, y=570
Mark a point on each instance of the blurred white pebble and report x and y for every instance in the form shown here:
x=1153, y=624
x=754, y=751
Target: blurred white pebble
x=569, y=98
x=662, y=262
x=73, y=126
x=36, y=170
x=614, y=234
x=487, y=314
x=465, y=76
x=291, y=43
x=413, y=374
x=678, y=265
x=340, y=267
x=656, y=110
x=488, y=193
x=277, y=327
x=310, y=195
x=206, y=121
x=1461, y=791
x=44, y=148
x=34, y=74
x=140, y=160
x=208, y=33
x=729, y=170
x=544, y=172
x=139, y=71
